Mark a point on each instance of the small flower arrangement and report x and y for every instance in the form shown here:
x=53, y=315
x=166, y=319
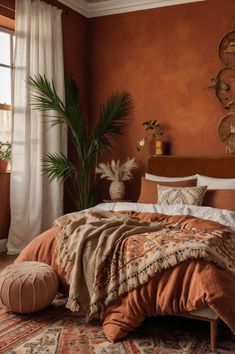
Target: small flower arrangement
x=5, y=150
x=155, y=131
x=116, y=171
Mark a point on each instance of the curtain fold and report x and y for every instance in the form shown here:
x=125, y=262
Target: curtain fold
x=35, y=202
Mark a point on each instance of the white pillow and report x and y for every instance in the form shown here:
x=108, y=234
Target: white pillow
x=168, y=179
x=215, y=183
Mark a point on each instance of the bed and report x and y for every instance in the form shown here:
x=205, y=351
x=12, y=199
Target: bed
x=191, y=282
x=218, y=167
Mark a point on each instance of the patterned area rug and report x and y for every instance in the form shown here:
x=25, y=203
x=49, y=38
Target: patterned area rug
x=57, y=330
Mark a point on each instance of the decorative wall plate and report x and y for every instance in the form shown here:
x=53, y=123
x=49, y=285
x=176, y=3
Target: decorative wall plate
x=226, y=130
x=227, y=49
x=225, y=87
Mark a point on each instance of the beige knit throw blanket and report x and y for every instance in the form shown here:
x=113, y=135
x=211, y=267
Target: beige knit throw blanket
x=105, y=255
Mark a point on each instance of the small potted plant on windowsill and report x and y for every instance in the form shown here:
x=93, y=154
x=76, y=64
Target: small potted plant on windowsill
x=5, y=156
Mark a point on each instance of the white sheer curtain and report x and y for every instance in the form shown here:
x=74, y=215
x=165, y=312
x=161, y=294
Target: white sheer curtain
x=35, y=202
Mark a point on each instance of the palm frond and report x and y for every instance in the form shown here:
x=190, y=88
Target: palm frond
x=100, y=146
x=113, y=116
x=57, y=166
x=44, y=96
x=73, y=108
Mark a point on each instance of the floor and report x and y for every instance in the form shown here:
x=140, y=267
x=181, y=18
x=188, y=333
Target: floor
x=5, y=260
x=166, y=335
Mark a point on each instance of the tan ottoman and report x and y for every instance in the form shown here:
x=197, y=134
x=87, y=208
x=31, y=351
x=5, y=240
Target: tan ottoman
x=28, y=286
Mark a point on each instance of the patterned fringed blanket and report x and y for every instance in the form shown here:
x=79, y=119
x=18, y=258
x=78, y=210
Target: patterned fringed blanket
x=105, y=254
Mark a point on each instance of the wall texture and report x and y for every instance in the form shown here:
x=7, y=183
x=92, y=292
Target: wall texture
x=165, y=58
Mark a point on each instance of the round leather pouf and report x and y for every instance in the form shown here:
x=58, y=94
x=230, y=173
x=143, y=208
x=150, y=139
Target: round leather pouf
x=27, y=287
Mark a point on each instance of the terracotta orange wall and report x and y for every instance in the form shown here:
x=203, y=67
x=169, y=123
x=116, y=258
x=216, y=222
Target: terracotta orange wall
x=165, y=58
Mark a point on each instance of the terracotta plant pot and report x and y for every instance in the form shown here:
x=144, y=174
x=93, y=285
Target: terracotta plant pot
x=117, y=190
x=3, y=165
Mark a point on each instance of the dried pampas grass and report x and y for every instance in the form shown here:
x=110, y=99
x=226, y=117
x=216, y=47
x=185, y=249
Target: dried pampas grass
x=115, y=171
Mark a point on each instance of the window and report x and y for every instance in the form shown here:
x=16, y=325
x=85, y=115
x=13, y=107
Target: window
x=6, y=83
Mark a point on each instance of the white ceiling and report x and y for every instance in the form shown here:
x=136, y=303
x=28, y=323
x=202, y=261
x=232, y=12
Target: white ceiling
x=95, y=8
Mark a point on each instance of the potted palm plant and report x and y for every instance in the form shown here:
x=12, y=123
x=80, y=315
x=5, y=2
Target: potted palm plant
x=89, y=145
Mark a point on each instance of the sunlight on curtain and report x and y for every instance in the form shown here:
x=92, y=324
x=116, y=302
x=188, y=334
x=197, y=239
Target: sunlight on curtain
x=35, y=203
x=5, y=124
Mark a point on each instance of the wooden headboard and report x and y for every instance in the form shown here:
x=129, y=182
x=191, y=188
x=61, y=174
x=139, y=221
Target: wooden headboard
x=180, y=166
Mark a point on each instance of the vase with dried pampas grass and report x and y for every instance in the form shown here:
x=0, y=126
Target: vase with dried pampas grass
x=117, y=173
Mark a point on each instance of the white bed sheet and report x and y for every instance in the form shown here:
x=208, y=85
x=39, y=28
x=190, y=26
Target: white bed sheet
x=224, y=217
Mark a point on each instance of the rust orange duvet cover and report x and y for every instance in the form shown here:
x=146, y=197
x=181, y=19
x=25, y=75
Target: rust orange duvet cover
x=123, y=267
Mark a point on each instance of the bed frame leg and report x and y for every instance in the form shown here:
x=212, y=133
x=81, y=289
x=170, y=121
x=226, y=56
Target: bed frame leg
x=213, y=325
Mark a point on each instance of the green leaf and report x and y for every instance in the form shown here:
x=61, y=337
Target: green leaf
x=44, y=96
x=57, y=166
x=113, y=118
x=73, y=109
